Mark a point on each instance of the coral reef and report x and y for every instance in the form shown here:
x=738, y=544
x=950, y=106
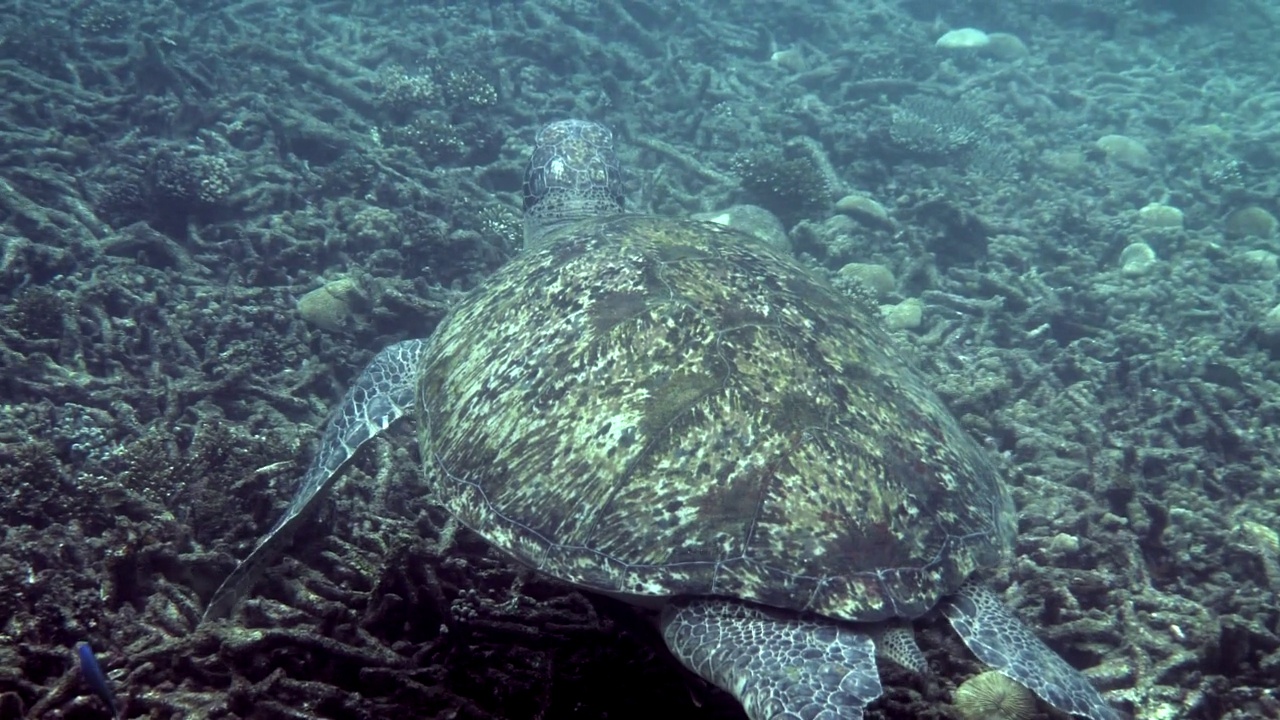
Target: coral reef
x=783, y=181
x=175, y=175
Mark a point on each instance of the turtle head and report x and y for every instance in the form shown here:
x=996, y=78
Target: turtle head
x=572, y=175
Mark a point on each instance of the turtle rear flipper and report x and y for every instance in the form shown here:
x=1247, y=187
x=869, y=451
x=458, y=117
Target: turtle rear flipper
x=895, y=640
x=1000, y=640
x=382, y=394
x=778, y=666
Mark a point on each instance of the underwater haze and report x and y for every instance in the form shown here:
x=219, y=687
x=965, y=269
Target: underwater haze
x=214, y=213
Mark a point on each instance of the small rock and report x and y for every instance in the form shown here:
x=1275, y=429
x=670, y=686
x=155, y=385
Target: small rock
x=1261, y=537
x=790, y=59
x=1263, y=262
x=1137, y=259
x=906, y=315
x=1064, y=544
x=331, y=305
x=1003, y=46
x=1125, y=151
x=1111, y=521
x=877, y=279
x=1251, y=221
x=964, y=39
x=863, y=208
x=1158, y=215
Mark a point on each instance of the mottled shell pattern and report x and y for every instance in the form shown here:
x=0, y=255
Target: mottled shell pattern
x=661, y=407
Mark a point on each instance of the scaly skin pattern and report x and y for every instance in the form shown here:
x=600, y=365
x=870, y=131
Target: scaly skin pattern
x=1000, y=640
x=781, y=666
x=380, y=396
x=667, y=407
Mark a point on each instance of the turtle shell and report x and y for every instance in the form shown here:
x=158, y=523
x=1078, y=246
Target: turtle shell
x=659, y=407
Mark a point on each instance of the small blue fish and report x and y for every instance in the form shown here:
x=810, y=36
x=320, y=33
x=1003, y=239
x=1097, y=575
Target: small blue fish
x=94, y=677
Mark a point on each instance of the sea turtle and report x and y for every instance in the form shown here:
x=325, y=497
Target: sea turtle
x=669, y=412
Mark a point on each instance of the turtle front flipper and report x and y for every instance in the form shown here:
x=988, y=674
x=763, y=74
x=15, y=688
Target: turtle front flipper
x=780, y=667
x=382, y=394
x=1000, y=640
